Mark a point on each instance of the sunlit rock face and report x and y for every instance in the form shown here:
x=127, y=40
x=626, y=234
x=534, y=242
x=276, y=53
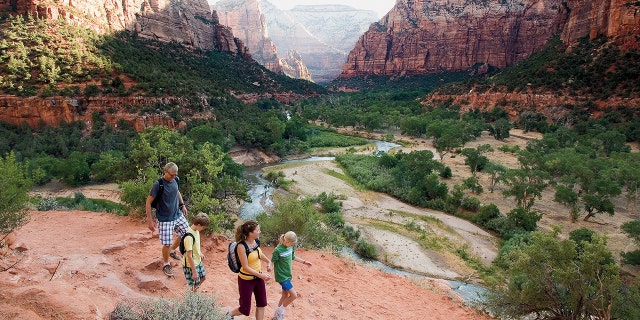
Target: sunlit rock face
x=420, y=37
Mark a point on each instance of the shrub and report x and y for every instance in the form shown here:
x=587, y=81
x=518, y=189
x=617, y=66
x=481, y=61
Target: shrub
x=366, y=249
x=191, y=306
x=471, y=204
x=46, y=204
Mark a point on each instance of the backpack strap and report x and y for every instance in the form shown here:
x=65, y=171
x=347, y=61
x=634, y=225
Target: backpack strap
x=160, y=188
x=246, y=250
x=192, y=237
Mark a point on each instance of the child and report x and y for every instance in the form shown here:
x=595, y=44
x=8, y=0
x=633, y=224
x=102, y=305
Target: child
x=192, y=258
x=282, y=256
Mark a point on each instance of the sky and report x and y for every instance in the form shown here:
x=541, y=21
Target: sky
x=379, y=6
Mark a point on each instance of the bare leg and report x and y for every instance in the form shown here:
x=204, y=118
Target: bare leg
x=290, y=296
x=176, y=242
x=260, y=313
x=165, y=254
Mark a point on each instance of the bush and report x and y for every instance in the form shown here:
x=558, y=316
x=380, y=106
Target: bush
x=471, y=204
x=303, y=218
x=47, y=204
x=486, y=214
x=366, y=249
x=191, y=306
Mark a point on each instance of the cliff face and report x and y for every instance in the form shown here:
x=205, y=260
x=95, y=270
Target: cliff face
x=247, y=22
x=187, y=22
x=419, y=37
x=618, y=19
x=35, y=111
x=307, y=42
x=321, y=34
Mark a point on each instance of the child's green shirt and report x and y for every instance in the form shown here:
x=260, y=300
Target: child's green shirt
x=282, y=257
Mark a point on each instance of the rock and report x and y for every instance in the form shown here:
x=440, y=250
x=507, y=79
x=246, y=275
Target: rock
x=246, y=20
x=114, y=247
x=421, y=37
x=150, y=283
x=191, y=23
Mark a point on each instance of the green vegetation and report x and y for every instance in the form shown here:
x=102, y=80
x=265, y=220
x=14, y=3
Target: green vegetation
x=190, y=306
x=317, y=222
x=13, y=199
x=575, y=278
x=81, y=202
x=46, y=58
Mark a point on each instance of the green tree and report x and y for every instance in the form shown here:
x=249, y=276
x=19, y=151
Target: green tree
x=14, y=184
x=525, y=185
x=495, y=172
x=555, y=278
x=475, y=157
x=500, y=129
x=632, y=229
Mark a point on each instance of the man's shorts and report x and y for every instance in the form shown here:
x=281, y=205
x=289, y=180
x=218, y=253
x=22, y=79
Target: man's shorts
x=166, y=229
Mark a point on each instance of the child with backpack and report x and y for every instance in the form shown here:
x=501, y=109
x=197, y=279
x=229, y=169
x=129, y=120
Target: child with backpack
x=282, y=258
x=191, y=254
x=251, y=280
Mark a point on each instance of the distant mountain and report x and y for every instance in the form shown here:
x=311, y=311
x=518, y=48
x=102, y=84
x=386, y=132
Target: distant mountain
x=246, y=20
x=321, y=35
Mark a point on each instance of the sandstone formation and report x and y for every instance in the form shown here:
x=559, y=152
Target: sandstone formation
x=247, y=22
x=36, y=111
x=307, y=42
x=190, y=23
x=321, y=34
x=421, y=37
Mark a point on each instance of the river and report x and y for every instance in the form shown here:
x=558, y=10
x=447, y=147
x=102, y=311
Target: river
x=260, y=192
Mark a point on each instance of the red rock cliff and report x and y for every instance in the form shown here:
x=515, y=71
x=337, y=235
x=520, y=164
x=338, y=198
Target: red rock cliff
x=35, y=111
x=419, y=37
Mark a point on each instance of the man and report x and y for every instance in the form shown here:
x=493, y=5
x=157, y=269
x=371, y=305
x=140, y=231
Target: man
x=170, y=215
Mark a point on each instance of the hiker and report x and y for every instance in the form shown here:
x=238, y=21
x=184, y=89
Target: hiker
x=192, y=256
x=170, y=214
x=250, y=278
x=282, y=258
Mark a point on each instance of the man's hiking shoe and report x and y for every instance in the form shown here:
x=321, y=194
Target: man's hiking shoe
x=167, y=270
x=174, y=255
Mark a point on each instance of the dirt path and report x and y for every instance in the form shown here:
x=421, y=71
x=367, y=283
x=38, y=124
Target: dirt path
x=79, y=265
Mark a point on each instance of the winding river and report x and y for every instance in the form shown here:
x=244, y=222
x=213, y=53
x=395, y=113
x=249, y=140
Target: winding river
x=260, y=192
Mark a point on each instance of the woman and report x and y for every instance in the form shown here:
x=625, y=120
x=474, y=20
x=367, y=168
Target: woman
x=251, y=280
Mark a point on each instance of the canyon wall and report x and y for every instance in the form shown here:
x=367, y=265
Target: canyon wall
x=421, y=37
x=247, y=22
x=189, y=22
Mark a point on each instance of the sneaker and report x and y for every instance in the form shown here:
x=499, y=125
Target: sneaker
x=167, y=270
x=174, y=255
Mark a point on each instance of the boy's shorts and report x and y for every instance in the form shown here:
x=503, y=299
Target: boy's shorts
x=201, y=275
x=286, y=285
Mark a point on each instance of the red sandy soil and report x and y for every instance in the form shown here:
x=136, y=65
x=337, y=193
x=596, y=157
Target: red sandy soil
x=79, y=265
